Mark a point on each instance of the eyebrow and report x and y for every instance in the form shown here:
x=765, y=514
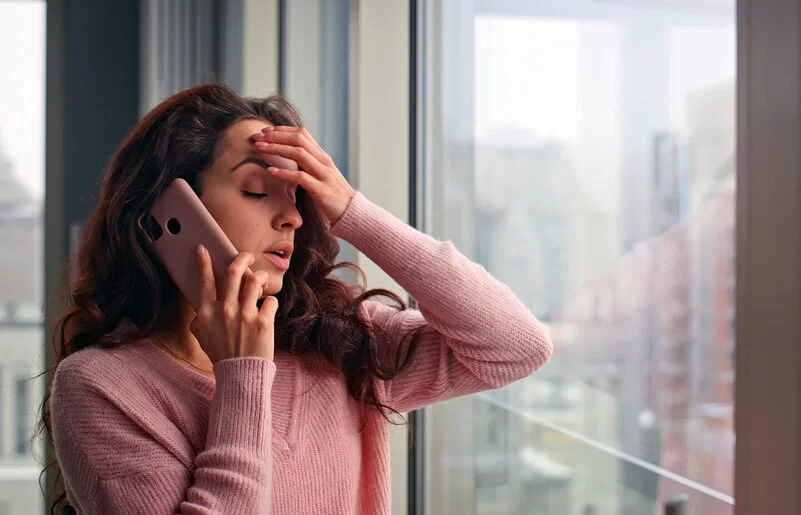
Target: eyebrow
x=254, y=160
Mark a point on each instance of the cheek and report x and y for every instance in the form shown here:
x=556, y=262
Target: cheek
x=238, y=223
x=243, y=233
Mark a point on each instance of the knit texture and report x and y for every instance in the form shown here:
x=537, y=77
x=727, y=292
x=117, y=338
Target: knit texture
x=136, y=431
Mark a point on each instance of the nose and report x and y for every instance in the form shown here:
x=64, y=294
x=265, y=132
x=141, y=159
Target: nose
x=288, y=217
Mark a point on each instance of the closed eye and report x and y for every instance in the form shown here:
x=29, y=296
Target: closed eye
x=254, y=195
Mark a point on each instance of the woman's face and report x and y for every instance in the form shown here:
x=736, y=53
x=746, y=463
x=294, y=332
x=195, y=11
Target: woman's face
x=255, y=210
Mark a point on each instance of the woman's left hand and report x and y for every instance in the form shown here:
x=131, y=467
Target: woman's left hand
x=318, y=174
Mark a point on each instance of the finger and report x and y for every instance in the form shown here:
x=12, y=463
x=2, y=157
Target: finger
x=297, y=139
x=254, y=286
x=298, y=154
x=236, y=270
x=290, y=129
x=269, y=307
x=208, y=290
x=299, y=177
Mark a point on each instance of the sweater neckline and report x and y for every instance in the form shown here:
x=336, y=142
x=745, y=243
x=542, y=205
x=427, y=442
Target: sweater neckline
x=189, y=377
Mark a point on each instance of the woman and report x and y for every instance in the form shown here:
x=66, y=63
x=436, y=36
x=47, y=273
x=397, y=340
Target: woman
x=282, y=408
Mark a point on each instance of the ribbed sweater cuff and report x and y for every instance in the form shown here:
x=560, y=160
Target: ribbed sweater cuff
x=240, y=413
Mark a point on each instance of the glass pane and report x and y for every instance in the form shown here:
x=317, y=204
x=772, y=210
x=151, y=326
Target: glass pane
x=316, y=72
x=22, y=88
x=21, y=418
x=583, y=152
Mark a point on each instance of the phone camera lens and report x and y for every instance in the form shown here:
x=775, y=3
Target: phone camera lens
x=174, y=226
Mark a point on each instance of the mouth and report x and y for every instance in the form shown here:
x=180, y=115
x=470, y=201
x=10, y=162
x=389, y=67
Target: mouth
x=280, y=254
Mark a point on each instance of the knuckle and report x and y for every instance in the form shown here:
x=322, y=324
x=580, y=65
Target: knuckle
x=229, y=312
x=204, y=315
x=198, y=325
x=259, y=279
x=264, y=323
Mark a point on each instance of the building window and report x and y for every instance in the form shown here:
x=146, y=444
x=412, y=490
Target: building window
x=22, y=428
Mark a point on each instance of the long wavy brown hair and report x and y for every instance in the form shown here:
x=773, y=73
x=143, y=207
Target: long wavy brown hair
x=114, y=277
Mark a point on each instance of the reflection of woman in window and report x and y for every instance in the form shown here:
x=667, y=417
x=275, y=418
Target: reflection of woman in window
x=279, y=406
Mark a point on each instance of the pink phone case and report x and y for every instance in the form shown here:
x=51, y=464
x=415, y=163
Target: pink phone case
x=186, y=223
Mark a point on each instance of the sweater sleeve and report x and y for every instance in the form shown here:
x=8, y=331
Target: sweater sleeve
x=114, y=460
x=473, y=334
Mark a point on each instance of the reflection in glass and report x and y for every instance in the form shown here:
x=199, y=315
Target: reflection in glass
x=585, y=156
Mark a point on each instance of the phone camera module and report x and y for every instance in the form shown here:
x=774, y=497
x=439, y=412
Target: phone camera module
x=173, y=226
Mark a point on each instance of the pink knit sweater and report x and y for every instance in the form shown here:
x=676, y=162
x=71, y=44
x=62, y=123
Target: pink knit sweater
x=137, y=432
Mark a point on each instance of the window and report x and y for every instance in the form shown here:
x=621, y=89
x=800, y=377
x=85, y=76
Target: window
x=314, y=71
x=22, y=416
x=315, y=75
x=584, y=154
x=3, y=403
x=22, y=132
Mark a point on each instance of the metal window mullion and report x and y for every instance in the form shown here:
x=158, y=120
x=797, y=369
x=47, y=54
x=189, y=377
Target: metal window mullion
x=416, y=454
x=768, y=298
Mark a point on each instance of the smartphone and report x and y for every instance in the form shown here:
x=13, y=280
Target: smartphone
x=177, y=223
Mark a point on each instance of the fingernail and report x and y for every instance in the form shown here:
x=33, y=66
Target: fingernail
x=261, y=144
x=272, y=169
x=258, y=135
x=267, y=129
x=201, y=250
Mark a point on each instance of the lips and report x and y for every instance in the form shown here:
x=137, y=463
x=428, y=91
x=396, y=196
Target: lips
x=280, y=254
x=282, y=248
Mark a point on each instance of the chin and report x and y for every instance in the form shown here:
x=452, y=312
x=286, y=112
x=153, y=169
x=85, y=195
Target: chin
x=274, y=287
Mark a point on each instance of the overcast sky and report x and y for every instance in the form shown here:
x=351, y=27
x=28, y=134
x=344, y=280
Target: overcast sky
x=22, y=90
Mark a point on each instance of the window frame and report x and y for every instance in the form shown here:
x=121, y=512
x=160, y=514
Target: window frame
x=768, y=225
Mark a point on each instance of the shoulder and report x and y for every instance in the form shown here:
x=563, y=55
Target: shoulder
x=93, y=367
x=95, y=377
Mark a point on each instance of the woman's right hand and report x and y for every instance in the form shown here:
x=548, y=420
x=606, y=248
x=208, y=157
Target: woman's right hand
x=232, y=325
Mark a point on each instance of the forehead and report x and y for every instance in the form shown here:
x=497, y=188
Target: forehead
x=237, y=144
